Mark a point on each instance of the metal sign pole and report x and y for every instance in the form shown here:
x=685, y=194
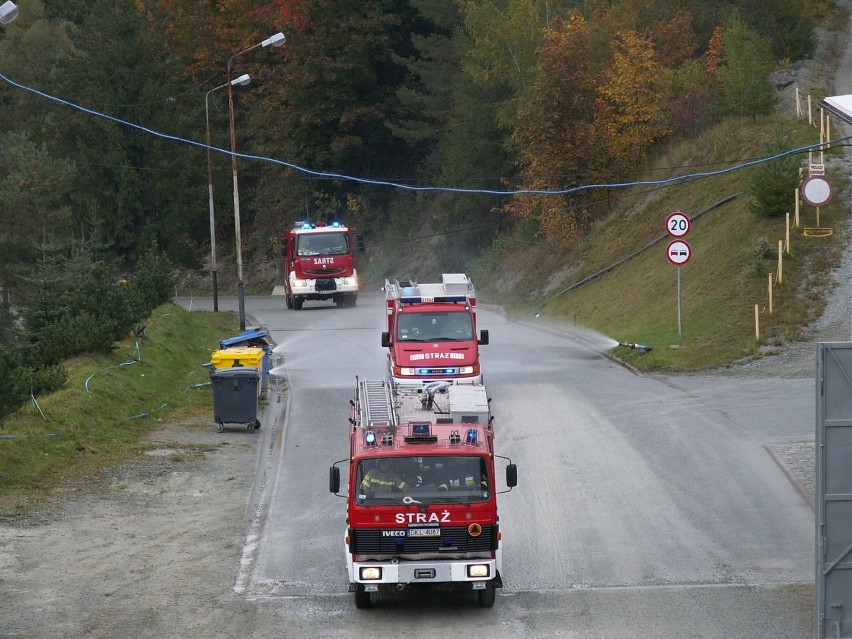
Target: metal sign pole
x=679, y=331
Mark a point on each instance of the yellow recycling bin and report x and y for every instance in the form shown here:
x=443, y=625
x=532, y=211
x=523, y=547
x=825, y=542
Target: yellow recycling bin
x=250, y=356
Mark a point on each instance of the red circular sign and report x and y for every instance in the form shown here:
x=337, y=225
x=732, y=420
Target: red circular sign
x=678, y=252
x=677, y=224
x=816, y=190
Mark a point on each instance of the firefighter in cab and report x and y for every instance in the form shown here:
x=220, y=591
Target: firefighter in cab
x=463, y=474
x=382, y=479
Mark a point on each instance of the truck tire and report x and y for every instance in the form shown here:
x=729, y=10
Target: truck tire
x=351, y=301
x=297, y=303
x=488, y=596
x=362, y=599
x=288, y=299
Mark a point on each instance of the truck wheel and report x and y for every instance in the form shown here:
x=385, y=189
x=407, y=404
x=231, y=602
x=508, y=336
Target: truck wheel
x=362, y=599
x=351, y=301
x=488, y=596
x=340, y=302
x=297, y=303
x=288, y=299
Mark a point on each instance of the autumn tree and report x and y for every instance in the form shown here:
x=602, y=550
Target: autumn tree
x=630, y=109
x=557, y=134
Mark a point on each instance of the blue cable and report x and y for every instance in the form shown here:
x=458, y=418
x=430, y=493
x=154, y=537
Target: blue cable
x=408, y=187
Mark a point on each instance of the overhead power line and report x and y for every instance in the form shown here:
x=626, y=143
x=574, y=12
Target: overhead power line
x=410, y=187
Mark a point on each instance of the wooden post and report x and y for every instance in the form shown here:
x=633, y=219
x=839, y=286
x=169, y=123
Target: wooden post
x=827, y=130
x=787, y=231
x=756, y=323
x=770, y=293
x=810, y=111
x=797, y=209
x=798, y=104
x=780, y=261
x=821, y=127
x=817, y=212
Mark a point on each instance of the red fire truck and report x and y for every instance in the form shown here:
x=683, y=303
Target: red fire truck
x=319, y=264
x=422, y=491
x=431, y=332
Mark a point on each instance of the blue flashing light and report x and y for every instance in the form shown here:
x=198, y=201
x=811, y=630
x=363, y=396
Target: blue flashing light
x=470, y=438
x=307, y=225
x=370, y=438
x=336, y=225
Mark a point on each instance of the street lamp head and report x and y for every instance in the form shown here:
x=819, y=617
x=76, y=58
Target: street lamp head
x=276, y=41
x=243, y=80
x=9, y=11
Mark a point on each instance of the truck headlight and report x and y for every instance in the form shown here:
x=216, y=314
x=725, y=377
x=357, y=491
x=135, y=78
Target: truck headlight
x=404, y=372
x=477, y=570
x=373, y=573
x=300, y=283
x=466, y=370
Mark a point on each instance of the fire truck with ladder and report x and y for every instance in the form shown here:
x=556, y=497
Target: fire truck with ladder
x=431, y=332
x=319, y=264
x=422, y=491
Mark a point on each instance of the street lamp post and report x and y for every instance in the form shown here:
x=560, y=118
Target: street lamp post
x=276, y=41
x=242, y=80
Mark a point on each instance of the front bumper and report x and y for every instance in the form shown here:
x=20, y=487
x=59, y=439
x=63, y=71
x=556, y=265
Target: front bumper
x=424, y=573
x=324, y=287
x=417, y=382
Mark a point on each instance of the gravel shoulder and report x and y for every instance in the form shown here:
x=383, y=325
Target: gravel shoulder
x=149, y=549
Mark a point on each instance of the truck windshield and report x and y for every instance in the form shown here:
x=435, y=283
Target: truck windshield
x=322, y=244
x=423, y=480
x=438, y=326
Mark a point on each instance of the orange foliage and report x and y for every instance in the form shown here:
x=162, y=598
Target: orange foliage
x=713, y=56
x=630, y=108
x=556, y=130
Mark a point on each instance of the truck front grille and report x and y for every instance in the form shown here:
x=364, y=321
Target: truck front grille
x=371, y=541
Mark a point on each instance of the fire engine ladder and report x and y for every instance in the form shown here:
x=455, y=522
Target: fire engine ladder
x=376, y=405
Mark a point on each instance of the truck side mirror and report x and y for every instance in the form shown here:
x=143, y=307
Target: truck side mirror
x=483, y=337
x=334, y=479
x=386, y=341
x=511, y=475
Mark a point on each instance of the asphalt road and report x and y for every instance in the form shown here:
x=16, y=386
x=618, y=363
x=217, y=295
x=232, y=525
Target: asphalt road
x=648, y=506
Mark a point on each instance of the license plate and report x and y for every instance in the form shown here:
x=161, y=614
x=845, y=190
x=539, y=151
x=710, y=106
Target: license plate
x=424, y=532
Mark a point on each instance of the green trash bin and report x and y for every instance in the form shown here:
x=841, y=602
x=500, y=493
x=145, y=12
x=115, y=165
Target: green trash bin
x=235, y=396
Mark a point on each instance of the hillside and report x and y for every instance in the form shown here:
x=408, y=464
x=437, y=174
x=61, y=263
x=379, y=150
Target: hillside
x=734, y=253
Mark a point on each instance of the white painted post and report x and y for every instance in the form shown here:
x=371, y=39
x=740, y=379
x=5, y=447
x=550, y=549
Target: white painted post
x=756, y=323
x=780, y=261
x=770, y=293
x=797, y=208
x=787, y=231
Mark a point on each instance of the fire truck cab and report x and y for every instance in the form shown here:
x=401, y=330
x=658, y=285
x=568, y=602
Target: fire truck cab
x=422, y=488
x=431, y=332
x=319, y=264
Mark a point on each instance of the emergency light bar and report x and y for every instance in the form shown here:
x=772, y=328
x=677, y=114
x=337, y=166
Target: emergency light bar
x=421, y=433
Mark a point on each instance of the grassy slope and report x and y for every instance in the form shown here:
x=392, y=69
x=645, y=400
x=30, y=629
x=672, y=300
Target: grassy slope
x=637, y=301
x=92, y=423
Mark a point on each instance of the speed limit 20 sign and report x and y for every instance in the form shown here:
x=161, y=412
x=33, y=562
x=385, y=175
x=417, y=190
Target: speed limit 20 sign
x=677, y=224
